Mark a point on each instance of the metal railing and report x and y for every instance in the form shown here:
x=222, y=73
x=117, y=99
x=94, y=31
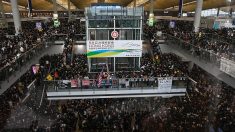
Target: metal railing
x=111, y=84
x=19, y=62
x=62, y=37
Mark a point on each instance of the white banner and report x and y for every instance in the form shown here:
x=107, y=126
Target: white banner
x=227, y=66
x=165, y=84
x=114, y=48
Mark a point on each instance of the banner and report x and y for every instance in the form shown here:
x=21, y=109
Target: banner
x=74, y=83
x=114, y=48
x=65, y=84
x=165, y=84
x=227, y=66
x=85, y=82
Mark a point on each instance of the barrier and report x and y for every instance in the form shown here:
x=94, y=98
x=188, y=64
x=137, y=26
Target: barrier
x=17, y=64
x=123, y=83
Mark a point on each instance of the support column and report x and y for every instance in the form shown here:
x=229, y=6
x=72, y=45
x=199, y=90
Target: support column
x=134, y=5
x=218, y=10
x=69, y=10
x=231, y=12
x=16, y=16
x=30, y=8
x=180, y=12
x=114, y=65
x=151, y=7
x=197, y=18
x=2, y=10
x=54, y=6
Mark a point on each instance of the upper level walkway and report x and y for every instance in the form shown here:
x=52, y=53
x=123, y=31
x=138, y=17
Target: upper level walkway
x=7, y=79
x=202, y=61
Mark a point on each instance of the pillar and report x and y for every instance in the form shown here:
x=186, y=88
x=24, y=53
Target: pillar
x=69, y=10
x=30, y=8
x=16, y=16
x=151, y=6
x=134, y=4
x=54, y=6
x=218, y=10
x=180, y=12
x=2, y=10
x=197, y=18
x=231, y=12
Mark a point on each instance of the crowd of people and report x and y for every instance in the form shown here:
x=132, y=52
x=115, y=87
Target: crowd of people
x=12, y=47
x=13, y=96
x=209, y=104
x=218, y=43
x=31, y=38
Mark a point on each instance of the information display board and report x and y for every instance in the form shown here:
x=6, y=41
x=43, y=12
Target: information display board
x=165, y=84
x=114, y=48
x=227, y=66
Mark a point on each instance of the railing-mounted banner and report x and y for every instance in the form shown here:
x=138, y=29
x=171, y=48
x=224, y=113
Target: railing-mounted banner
x=114, y=48
x=165, y=84
x=227, y=66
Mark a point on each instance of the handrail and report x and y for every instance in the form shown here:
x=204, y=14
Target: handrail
x=150, y=78
x=219, y=36
x=34, y=47
x=197, y=47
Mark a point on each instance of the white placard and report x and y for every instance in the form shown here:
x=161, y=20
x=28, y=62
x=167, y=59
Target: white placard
x=165, y=84
x=114, y=48
x=227, y=66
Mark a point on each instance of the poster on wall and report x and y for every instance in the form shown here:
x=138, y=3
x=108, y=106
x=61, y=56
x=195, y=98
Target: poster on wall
x=165, y=84
x=114, y=48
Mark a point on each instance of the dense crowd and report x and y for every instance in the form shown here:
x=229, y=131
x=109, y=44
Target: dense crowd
x=219, y=42
x=209, y=104
x=55, y=65
x=13, y=96
x=31, y=39
x=12, y=47
x=76, y=26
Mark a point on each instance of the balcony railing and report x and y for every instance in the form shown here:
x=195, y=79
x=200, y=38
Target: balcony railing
x=111, y=84
x=204, y=54
x=224, y=61
x=19, y=62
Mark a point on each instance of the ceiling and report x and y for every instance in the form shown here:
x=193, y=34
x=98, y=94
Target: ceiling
x=189, y=5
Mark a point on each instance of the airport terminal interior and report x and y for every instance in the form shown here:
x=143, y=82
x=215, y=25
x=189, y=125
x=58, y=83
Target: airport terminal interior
x=117, y=66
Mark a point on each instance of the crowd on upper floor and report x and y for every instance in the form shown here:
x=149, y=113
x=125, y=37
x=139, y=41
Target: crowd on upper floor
x=219, y=42
x=208, y=106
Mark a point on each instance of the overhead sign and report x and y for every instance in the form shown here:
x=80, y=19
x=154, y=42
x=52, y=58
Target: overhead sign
x=114, y=34
x=227, y=66
x=114, y=48
x=165, y=84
